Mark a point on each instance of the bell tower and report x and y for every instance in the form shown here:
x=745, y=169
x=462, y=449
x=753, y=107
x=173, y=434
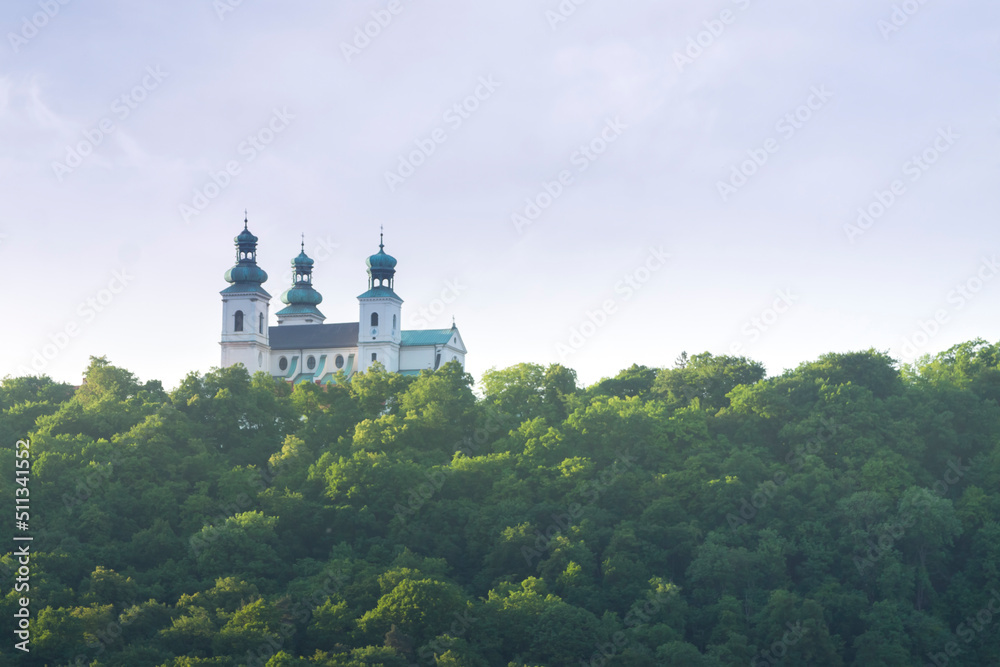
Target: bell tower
x=379, y=332
x=301, y=298
x=245, y=305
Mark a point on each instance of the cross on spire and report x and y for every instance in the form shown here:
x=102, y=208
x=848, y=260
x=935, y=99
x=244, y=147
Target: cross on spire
x=381, y=231
x=245, y=218
x=303, y=242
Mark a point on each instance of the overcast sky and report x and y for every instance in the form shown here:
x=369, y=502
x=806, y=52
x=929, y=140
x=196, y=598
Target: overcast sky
x=598, y=184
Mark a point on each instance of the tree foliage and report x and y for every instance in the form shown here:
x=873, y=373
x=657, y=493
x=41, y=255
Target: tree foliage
x=844, y=512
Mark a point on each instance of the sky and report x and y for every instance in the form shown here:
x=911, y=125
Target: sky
x=581, y=182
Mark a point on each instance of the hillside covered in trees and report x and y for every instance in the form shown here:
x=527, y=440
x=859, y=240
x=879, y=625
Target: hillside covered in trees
x=843, y=513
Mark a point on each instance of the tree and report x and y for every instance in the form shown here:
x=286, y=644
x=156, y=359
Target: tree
x=420, y=608
x=707, y=378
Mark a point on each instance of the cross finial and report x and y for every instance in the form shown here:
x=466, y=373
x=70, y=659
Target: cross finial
x=381, y=231
x=303, y=242
x=245, y=218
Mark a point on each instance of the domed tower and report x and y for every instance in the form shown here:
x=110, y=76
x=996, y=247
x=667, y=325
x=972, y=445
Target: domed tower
x=301, y=298
x=379, y=333
x=245, y=306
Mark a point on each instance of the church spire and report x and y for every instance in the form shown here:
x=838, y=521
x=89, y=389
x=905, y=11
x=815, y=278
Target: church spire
x=301, y=298
x=246, y=272
x=381, y=266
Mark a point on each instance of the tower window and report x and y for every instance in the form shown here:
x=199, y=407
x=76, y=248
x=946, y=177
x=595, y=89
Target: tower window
x=374, y=356
x=311, y=362
x=437, y=360
x=260, y=323
x=374, y=319
x=394, y=324
x=283, y=364
x=238, y=321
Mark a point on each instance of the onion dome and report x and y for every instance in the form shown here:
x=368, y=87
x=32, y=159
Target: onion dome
x=303, y=260
x=246, y=274
x=381, y=267
x=381, y=260
x=301, y=298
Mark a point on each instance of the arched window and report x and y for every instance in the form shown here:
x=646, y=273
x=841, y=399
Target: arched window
x=374, y=356
x=394, y=323
x=374, y=319
x=260, y=323
x=437, y=360
x=238, y=321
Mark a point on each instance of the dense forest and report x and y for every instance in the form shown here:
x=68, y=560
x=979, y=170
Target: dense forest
x=843, y=513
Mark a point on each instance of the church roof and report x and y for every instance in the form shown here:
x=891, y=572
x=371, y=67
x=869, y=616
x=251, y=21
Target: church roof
x=417, y=337
x=314, y=336
x=245, y=288
x=380, y=290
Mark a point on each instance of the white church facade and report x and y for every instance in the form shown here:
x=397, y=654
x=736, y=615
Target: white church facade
x=303, y=347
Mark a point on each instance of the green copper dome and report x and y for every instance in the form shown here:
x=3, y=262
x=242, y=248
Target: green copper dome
x=381, y=268
x=246, y=274
x=302, y=260
x=301, y=298
x=245, y=236
x=381, y=260
x=302, y=295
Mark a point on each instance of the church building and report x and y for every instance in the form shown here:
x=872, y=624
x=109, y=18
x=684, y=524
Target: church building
x=303, y=347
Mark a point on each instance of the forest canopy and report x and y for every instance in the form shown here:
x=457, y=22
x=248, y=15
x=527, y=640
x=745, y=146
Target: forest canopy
x=842, y=513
